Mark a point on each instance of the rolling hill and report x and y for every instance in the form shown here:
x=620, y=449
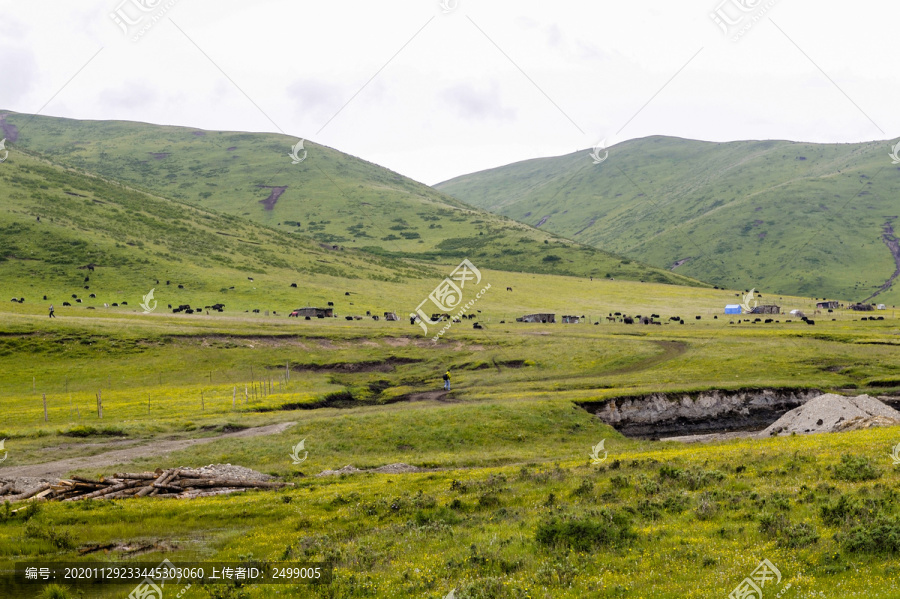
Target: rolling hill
x=796, y=218
x=70, y=237
x=329, y=198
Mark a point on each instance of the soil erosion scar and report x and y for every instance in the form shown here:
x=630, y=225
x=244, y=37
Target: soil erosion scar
x=10, y=131
x=894, y=246
x=269, y=202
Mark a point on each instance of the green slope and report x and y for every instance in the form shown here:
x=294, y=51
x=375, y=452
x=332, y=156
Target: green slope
x=796, y=218
x=330, y=197
x=55, y=222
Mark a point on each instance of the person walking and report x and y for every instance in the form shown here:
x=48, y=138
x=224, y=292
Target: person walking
x=52, y=315
x=447, y=380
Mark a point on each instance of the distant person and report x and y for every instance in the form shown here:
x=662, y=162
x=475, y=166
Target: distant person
x=52, y=315
x=447, y=381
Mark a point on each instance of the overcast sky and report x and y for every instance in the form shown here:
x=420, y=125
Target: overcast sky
x=434, y=92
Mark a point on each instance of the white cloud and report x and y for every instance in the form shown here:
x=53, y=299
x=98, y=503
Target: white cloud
x=487, y=84
x=479, y=104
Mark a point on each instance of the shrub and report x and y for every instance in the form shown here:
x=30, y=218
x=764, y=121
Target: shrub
x=843, y=511
x=647, y=485
x=882, y=536
x=560, y=573
x=786, y=534
x=706, y=508
x=692, y=478
x=61, y=539
x=620, y=481
x=800, y=535
x=855, y=469
x=488, y=500
x=584, y=534
x=441, y=515
x=56, y=591
x=584, y=489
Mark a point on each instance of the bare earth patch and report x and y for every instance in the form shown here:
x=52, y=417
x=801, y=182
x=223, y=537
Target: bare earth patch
x=27, y=477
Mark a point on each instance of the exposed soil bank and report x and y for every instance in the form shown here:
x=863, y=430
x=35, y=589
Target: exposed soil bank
x=671, y=414
x=386, y=365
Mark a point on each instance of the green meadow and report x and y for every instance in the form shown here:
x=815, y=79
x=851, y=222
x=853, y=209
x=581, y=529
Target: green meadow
x=519, y=491
x=509, y=504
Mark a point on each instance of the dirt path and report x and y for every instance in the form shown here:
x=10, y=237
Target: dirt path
x=671, y=350
x=59, y=468
x=894, y=246
x=428, y=396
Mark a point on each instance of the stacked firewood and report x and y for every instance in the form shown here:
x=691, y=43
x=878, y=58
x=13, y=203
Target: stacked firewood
x=175, y=482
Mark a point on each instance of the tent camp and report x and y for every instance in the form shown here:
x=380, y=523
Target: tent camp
x=733, y=309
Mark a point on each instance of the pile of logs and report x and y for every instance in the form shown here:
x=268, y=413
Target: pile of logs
x=161, y=483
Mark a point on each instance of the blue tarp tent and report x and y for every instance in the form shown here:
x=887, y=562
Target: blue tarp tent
x=733, y=309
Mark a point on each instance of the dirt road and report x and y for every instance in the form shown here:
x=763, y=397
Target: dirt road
x=59, y=468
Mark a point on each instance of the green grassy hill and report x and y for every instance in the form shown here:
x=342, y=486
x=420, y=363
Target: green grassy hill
x=330, y=197
x=55, y=222
x=799, y=218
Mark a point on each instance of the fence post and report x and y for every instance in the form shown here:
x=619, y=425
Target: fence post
x=233, y=396
x=100, y=403
x=44, y=395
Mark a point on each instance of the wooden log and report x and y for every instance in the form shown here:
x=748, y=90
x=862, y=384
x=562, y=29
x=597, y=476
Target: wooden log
x=137, y=475
x=107, y=490
x=93, y=487
x=84, y=479
x=120, y=494
x=162, y=479
x=34, y=492
x=172, y=487
x=43, y=494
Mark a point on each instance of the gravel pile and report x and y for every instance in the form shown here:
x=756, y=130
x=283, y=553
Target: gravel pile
x=228, y=471
x=830, y=413
x=399, y=468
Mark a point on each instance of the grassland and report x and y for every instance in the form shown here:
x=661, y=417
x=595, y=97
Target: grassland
x=795, y=218
x=330, y=198
x=511, y=505
x=508, y=504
